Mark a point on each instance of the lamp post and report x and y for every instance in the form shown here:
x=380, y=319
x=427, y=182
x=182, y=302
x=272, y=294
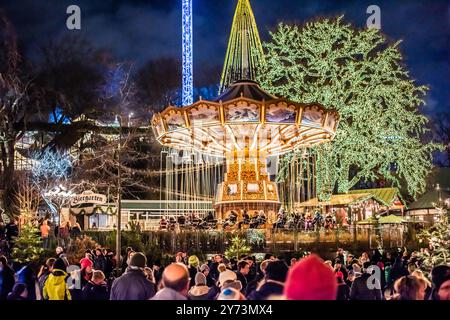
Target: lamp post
x=119, y=198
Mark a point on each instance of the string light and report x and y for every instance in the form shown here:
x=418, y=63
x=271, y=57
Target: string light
x=188, y=90
x=50, y=164
x=360, y=75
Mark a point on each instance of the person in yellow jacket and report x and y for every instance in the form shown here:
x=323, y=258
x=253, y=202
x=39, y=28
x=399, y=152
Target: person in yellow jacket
x=55, y=287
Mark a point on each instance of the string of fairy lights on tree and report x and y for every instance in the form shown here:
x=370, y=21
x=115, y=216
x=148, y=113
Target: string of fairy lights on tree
x=362, y=76
x=244, y=53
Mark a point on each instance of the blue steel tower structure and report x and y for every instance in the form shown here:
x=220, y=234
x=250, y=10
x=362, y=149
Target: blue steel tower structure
x=188, y=90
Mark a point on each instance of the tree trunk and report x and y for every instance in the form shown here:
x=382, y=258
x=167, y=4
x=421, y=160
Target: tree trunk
x=8, y=176
x=343, y=183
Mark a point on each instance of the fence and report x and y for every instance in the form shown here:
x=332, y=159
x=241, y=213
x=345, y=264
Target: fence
x=261, y=240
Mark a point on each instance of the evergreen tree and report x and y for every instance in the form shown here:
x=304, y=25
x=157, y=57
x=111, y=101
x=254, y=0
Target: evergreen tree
x=360, y=74
x=238, y=247
x=437, y=237
x=28, y=245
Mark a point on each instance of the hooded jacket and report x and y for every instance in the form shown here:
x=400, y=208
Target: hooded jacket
x=360, y=290
x=6, y=282
x=25, y=275
x=55, y=287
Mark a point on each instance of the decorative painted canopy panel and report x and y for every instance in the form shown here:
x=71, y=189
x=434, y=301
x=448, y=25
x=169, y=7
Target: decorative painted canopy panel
x=274, y=126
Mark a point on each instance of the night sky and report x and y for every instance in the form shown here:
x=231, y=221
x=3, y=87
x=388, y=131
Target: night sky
x=140, y=30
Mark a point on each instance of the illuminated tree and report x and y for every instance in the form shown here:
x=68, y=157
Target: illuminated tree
x=51, y=165
x=50, y=174
x=28, y=245
x=437, y=237
x=238, y=247
x=361, y=75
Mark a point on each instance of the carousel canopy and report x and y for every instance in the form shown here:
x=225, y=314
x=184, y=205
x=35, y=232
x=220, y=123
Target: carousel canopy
x=245, y=117
x=247, y=89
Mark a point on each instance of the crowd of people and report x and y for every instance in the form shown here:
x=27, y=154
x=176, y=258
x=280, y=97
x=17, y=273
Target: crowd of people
x=191, y=221
x=306, y=221
x=63, y=234
x=391, y=276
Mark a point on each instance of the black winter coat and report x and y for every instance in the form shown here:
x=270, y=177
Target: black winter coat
x=343, y=292
x=267, y=289
x=252, y=285
x=100, y=263
x=192, y=272
x=243, y=280
x=7, y=281
x=213, y=272
x=360, y=290
x=93, y=291
x=132, y=285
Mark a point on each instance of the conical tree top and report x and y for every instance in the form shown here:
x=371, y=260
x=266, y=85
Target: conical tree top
x=244, y=53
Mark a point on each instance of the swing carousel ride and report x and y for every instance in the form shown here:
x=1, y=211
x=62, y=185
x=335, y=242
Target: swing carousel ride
x=234, y=136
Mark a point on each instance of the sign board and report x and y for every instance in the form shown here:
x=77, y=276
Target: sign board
x=88, y=197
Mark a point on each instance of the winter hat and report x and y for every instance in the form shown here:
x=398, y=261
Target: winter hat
x=59, y=264
x=236, y=284
x=85, y=262
x=226, y=275
x=311, y=279
x=277, y=270
x=194, y=261
x=17, y=290
x=366, y=266
x=221, y=267
x=339, y=274
x=439, y=275
x=230, y=294
x=138, y=260
x=98, y=275
x=204, y=267
x=200, y=279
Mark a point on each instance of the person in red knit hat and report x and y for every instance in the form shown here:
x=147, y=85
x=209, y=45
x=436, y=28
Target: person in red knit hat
x=81, y=278
x=311, y=279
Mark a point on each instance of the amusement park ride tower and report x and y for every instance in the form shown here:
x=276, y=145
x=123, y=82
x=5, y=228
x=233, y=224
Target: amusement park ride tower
x=244, y=124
